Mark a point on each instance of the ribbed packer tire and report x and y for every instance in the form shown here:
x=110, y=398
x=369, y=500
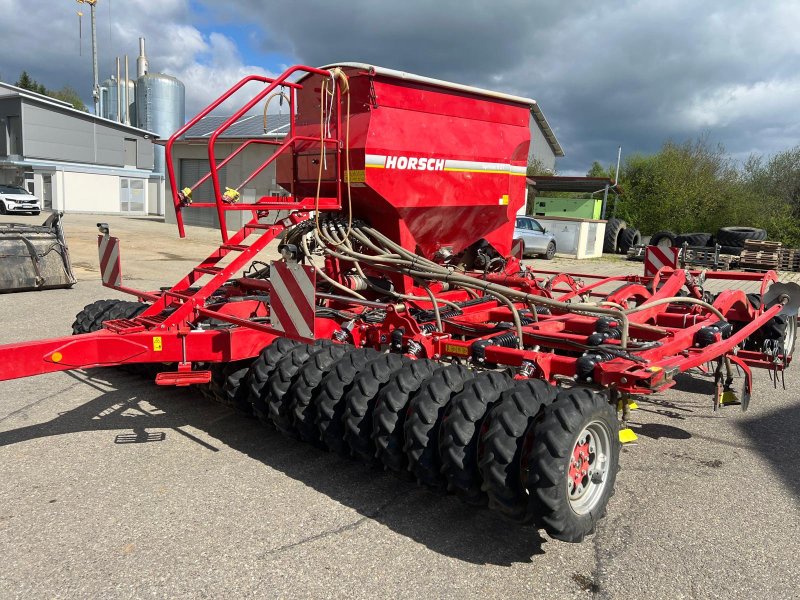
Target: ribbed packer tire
x=331, y=402
x=611, y=239
x=213, y=391
x=307, y=385
x=261, y=370
x=423, y=423
x=281, y=381
x=461, y=427
x=235, y=389
x=548, y=452
x=628, y=239
x=91, y=317
x=389, y=415
x=361, y=401
x=664, y=238
x=500, y=445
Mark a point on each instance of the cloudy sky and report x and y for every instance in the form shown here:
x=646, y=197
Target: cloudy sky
x=605, y=73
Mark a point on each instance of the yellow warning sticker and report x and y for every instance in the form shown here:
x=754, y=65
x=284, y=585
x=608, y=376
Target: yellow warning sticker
x=504, y=200
x=454, y=349
x=157, y=344
x=355, y=176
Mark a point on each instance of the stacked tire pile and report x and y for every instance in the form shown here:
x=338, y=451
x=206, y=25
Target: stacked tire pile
x=730, y=239
x=483, y=435
x=620, y=237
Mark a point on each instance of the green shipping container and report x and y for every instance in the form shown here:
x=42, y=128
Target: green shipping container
x=577, y=208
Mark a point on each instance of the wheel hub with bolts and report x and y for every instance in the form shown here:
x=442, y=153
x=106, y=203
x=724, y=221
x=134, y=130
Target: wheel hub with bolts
x=588, y=468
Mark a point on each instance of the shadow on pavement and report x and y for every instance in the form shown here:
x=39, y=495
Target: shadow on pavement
x=774, y=435
x=657, y=430
x=136, y=407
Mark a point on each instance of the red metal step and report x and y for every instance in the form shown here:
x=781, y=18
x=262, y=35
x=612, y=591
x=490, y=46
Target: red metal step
x=183, y=378
x=235, y=247
x=123, y=326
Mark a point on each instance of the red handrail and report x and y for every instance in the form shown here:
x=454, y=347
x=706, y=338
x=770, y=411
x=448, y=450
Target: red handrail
x=214, y=167
x=212, y=160
x=191, y=123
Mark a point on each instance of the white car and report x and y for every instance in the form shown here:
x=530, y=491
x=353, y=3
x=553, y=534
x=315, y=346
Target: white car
x=535, y=238
x=14, y=199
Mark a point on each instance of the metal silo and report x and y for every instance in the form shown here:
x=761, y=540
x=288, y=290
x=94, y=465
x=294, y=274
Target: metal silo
x=160, y=106
x=108, y=99
x=109, y=107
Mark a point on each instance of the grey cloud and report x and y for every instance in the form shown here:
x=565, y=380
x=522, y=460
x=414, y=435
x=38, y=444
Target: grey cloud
x=605, y=73
x=625, y=72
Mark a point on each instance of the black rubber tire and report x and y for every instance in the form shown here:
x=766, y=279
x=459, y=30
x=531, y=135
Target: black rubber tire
x=389, y=415
x=611, y=239
x=548, y=449
x=307, y=385
x=235, y=386
x=361, y=400
x=282, y=380
x=664, y=238
x=737, y=236
x=331, y=402
x=129, y=310
x=461, y=427
x=426, y=410
x=213, y=391
x=91, y=317
x=699, y=240
x=3, y=210
x=500, y=445
x=550, y=252
x=628, y=239
x=261, y=370
x=732, y=250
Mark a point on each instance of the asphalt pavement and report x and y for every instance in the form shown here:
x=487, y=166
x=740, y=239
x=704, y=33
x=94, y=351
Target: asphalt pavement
x=113, y=487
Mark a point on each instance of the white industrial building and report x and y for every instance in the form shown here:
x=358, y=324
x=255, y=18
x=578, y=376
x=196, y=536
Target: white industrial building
x=79, y=162
x=73, y=160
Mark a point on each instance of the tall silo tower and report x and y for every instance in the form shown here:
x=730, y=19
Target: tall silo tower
x=160, y=104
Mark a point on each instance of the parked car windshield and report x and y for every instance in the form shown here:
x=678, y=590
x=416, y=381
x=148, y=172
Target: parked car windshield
x=13, y=189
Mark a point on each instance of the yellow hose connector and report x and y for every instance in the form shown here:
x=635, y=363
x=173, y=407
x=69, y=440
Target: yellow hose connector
x=231, y=196
x=186, y=196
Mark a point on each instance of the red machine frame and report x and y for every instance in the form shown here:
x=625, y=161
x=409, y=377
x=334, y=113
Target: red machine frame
x=175, y=327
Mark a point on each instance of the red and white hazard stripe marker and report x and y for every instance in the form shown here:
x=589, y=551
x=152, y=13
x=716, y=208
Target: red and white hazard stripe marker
x=110, y=271
x=518, y=248
x=656, y=258
x=292, y=299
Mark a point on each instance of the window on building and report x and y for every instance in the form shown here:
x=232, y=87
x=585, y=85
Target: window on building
x=131, y=195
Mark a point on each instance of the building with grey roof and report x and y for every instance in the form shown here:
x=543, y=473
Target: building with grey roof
x=76, y=161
